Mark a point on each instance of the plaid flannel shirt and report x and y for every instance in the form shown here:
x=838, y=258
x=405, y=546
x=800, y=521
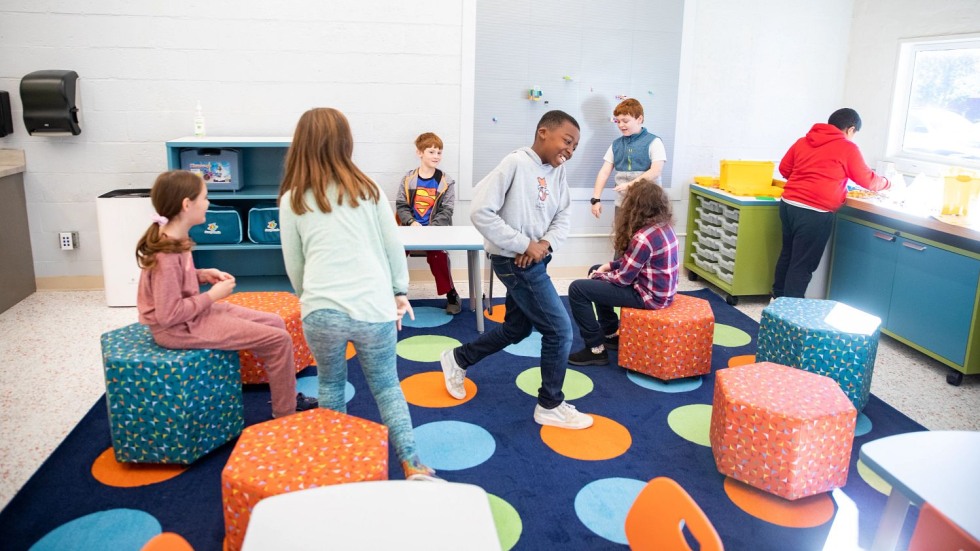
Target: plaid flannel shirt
x=649, y=265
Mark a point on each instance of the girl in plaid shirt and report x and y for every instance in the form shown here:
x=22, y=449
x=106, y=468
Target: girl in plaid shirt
x=644, y=277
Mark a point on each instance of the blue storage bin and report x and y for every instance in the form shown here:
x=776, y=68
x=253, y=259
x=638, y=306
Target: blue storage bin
x=263, y=224
x=220, y=168
x=222, y=226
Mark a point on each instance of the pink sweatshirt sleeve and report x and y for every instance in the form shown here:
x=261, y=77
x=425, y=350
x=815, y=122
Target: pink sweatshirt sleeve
x=174, y=288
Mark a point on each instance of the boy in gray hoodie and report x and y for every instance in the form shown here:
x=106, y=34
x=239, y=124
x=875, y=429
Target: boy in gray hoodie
x=521, y=208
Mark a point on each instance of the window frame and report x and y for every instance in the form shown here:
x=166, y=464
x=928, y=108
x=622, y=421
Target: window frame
x=913, y=162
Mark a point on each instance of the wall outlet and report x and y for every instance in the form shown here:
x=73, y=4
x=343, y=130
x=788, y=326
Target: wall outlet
x=68, y=240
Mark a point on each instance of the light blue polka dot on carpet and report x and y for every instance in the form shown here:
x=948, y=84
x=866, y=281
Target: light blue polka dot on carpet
x=427, y=316
x=602, y=506
x=686, y=384
x=863, y=425
x=112, y=529
x=311, y=387
x=530, y=347
x=453, y=445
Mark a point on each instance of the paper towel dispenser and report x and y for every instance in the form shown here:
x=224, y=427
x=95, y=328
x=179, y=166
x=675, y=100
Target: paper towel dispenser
x=50, y=102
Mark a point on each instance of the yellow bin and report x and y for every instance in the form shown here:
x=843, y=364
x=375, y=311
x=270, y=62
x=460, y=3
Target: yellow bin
x=960, y=193
x=747, y=177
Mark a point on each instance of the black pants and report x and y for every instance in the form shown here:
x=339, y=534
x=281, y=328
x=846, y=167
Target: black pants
x=805, y=236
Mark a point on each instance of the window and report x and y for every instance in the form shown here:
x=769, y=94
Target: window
x=936, y=115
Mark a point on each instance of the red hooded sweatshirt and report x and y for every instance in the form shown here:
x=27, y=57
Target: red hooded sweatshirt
x=818, y=166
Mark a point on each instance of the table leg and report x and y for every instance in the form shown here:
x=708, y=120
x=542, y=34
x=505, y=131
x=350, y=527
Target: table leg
x=474, y=268
x=892, y=520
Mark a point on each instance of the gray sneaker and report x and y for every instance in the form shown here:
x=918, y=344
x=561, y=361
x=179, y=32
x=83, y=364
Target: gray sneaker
x=453, y=374
x=564, y=416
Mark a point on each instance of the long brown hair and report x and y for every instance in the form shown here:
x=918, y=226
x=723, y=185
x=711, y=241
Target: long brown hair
x=645, y=204
x=168, y=194
x=321, y=153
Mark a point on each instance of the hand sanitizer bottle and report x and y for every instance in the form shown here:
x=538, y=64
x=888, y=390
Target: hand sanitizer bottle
x=199, y=121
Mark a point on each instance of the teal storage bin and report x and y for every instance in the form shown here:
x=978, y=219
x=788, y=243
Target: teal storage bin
x=222, y=226
x=263, y=224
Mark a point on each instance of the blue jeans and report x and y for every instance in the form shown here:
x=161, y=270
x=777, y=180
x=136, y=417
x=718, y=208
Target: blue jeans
x=327, y=332
x=583, y=293
x=532, y=302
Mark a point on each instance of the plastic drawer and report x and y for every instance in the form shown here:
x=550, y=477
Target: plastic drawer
x=709, y=217
x=710, y=206
x=726, y=276
x=704, y=264
x=730, y=214
x=729, y=239
x=730, y=227
x=710, y=243
x=706, y=253
x=727, y=252
x=708, y=229
x=725, y=264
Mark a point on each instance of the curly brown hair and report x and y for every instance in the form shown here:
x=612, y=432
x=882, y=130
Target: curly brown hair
x=645, y=204
x=168, y=194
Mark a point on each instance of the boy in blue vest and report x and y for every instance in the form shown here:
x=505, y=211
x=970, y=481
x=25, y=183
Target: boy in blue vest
x=637, y=155
x=427, y=197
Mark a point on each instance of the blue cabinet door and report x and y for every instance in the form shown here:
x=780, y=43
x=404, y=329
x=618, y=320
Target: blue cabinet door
x=933, y=295
x=863, y=267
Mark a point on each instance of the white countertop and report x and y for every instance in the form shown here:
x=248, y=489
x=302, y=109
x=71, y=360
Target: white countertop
x=12, y=161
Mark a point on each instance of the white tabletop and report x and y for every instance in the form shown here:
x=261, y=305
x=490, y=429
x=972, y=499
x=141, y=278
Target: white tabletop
x=450, y=238
x=938, y=467
x=391, y=514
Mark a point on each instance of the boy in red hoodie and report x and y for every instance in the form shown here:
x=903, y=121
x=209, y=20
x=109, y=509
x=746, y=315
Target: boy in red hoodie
x=817, y=168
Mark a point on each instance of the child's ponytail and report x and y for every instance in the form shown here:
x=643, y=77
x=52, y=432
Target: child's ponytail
x=168, y=194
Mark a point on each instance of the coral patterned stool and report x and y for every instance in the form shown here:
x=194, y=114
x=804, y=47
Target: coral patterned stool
x=286, y=305
x=783, y=430
x=823, y=337
x=670, y=343
x=314, y=448
x=168, y=406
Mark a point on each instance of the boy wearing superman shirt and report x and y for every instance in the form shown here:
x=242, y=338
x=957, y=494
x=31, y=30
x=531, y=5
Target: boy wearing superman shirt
x=426, y=197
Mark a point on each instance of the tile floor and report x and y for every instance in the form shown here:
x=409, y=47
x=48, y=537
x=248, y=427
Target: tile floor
x=51, y=374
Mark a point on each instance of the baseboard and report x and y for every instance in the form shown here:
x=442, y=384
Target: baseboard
x=70, y=283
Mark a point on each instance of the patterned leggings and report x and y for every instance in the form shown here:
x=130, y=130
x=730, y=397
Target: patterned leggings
x=327, y=332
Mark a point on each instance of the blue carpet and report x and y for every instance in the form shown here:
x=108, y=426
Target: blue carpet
x=542, y=498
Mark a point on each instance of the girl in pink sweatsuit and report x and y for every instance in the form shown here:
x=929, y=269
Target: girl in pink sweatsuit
x=180, y=316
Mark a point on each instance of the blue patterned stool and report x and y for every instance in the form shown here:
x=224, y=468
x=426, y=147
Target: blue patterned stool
x=168, y=406
x=823, y=337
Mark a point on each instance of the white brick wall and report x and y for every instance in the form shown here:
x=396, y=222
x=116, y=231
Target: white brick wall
x=754, y=76
x=392, y=67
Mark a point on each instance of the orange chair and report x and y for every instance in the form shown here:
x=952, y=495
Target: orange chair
x=657, y=518
x=934, y=532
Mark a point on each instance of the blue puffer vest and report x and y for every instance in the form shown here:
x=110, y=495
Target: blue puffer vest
x=632, y=153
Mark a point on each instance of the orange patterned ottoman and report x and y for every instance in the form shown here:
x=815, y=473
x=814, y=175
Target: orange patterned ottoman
x=670, y=343
x=319, y=447
x=287, y=306
x=783, y=430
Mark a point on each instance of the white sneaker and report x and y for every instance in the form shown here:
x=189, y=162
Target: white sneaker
x=564, y=416
x=453, y=374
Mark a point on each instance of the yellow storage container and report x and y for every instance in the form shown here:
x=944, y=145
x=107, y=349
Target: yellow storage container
x=706, y=181
x=746, y=177
x=960, y=194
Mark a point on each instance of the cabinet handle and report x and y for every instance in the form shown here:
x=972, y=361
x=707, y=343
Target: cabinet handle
x=913, y=246
x=885, y=236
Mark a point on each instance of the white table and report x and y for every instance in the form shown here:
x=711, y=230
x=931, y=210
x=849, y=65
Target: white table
x=391, y=514
x=452, y=238
x=938, y=467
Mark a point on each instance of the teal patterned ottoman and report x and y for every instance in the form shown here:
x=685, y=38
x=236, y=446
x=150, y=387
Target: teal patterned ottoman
x=168, y=406
x=823, y=337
